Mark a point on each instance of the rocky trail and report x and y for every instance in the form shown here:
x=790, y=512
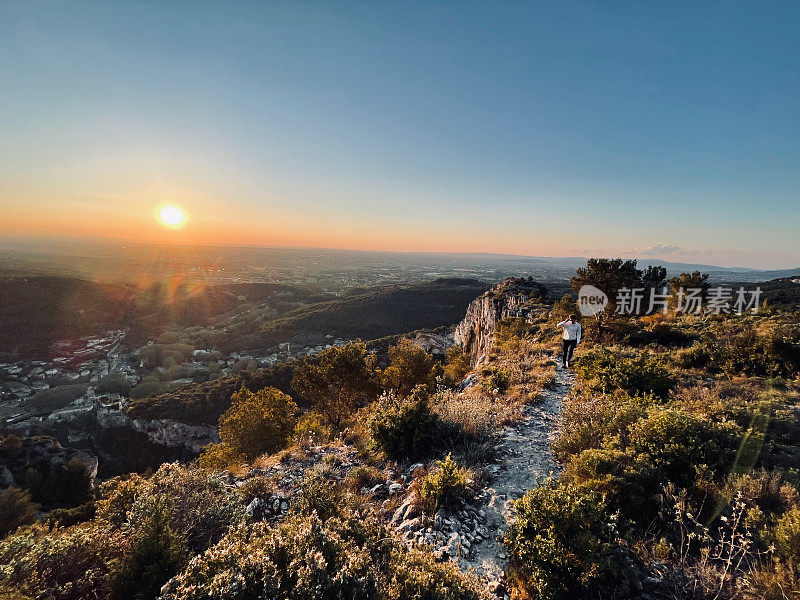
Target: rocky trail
x=525, y=457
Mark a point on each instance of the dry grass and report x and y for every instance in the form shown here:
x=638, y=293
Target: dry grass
x=530, y=367
x=476, y=414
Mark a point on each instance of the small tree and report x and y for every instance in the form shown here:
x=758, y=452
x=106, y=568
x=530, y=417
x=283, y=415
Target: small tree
x=610, y=275
x=157, y=554
x=685, y=282
x=653, y=277
x=16, y=508
x=456, y=365
x=409, y=366
x=338, y=383
x=405, y=428
x=258, y=422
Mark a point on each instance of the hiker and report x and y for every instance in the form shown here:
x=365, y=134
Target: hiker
x=572, y=337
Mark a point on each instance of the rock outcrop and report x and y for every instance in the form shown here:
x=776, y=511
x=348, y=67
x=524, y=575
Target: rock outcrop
x=121, y=443
x=42, y=454
x=511, y=298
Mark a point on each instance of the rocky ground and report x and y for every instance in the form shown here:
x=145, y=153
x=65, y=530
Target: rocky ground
x=471, y=535
x=526, y=457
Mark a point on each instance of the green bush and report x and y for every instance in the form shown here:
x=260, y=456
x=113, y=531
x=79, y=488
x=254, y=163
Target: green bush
x=409, y=367
x=445, y=484
x=350, y=554
x=196, y=503
x=404, y=429
x=456, y=365
x=157, y=553
x=66, y=517
x=609, y=371
x=61, y=485
x=258, y=422
x=677, y=443
x=218, y=457
x=16, y=508
x=364, y=476
x=698, y=356
x=561, y=543
x=312, y=429
x=57, y=397
x=785, y=535
x=496, y=380
x=61, y=564
x=339, y=381
x=587, y=421
x=744, y=348
x=318, y=495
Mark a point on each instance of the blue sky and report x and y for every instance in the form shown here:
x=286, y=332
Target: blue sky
x=563, y=128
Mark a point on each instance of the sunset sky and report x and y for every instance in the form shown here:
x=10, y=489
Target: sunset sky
x=653, y=129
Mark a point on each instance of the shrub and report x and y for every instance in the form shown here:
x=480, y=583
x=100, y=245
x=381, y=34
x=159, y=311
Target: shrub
x=608, y=371
x=409, y=367
x=258, y=423
x=57, y=397
x=197, y=504
x=64, y=564
x=415, y=574
x=511, y=328
x=311, y=429
x=117, y=497
x=404, y=429
x=113, y=383
x=257, y=487
x=561, y=543
x=157, y=553
x=456, y=365
x=445, y=484
x=696, y=357
x=350, y=554
x=496, y=381
x=63, y=485
x=16, y=508
x=339, y=381
x=66, y=517
x=676, y=443
x=218, y=457
x=785, y=535
x=742, y=347
x=364, y=476
x=588, y=420
x=147, y=387
x=319, y=495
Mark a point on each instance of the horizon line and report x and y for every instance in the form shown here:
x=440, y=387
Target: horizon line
x=122, y=241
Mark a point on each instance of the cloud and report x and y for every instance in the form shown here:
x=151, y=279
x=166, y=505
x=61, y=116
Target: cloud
x=659, y=250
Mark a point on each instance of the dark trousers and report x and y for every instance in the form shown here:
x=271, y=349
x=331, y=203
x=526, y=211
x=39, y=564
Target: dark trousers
x=569, y=348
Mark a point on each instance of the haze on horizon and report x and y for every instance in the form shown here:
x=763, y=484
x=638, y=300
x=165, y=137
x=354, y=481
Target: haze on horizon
x=569, y=129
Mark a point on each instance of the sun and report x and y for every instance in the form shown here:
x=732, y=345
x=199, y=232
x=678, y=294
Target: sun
x=171, y=216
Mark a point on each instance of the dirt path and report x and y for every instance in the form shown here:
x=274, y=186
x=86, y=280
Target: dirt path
x=526, y=457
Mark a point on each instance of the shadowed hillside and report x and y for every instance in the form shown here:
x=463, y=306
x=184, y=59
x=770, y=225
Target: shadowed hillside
x=387, y=311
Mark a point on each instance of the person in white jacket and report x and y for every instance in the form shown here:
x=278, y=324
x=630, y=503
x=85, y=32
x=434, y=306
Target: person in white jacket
x=572, y=337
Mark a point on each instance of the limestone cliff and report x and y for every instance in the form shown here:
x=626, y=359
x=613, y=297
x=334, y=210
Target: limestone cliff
x=511, y=298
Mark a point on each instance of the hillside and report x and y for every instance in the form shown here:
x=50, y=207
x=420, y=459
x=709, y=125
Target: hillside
x=35, y=311
x=637, y=474
x=382, y=312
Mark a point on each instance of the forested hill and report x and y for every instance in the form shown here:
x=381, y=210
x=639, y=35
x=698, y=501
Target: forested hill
x=385, y=311
x=37, y=310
